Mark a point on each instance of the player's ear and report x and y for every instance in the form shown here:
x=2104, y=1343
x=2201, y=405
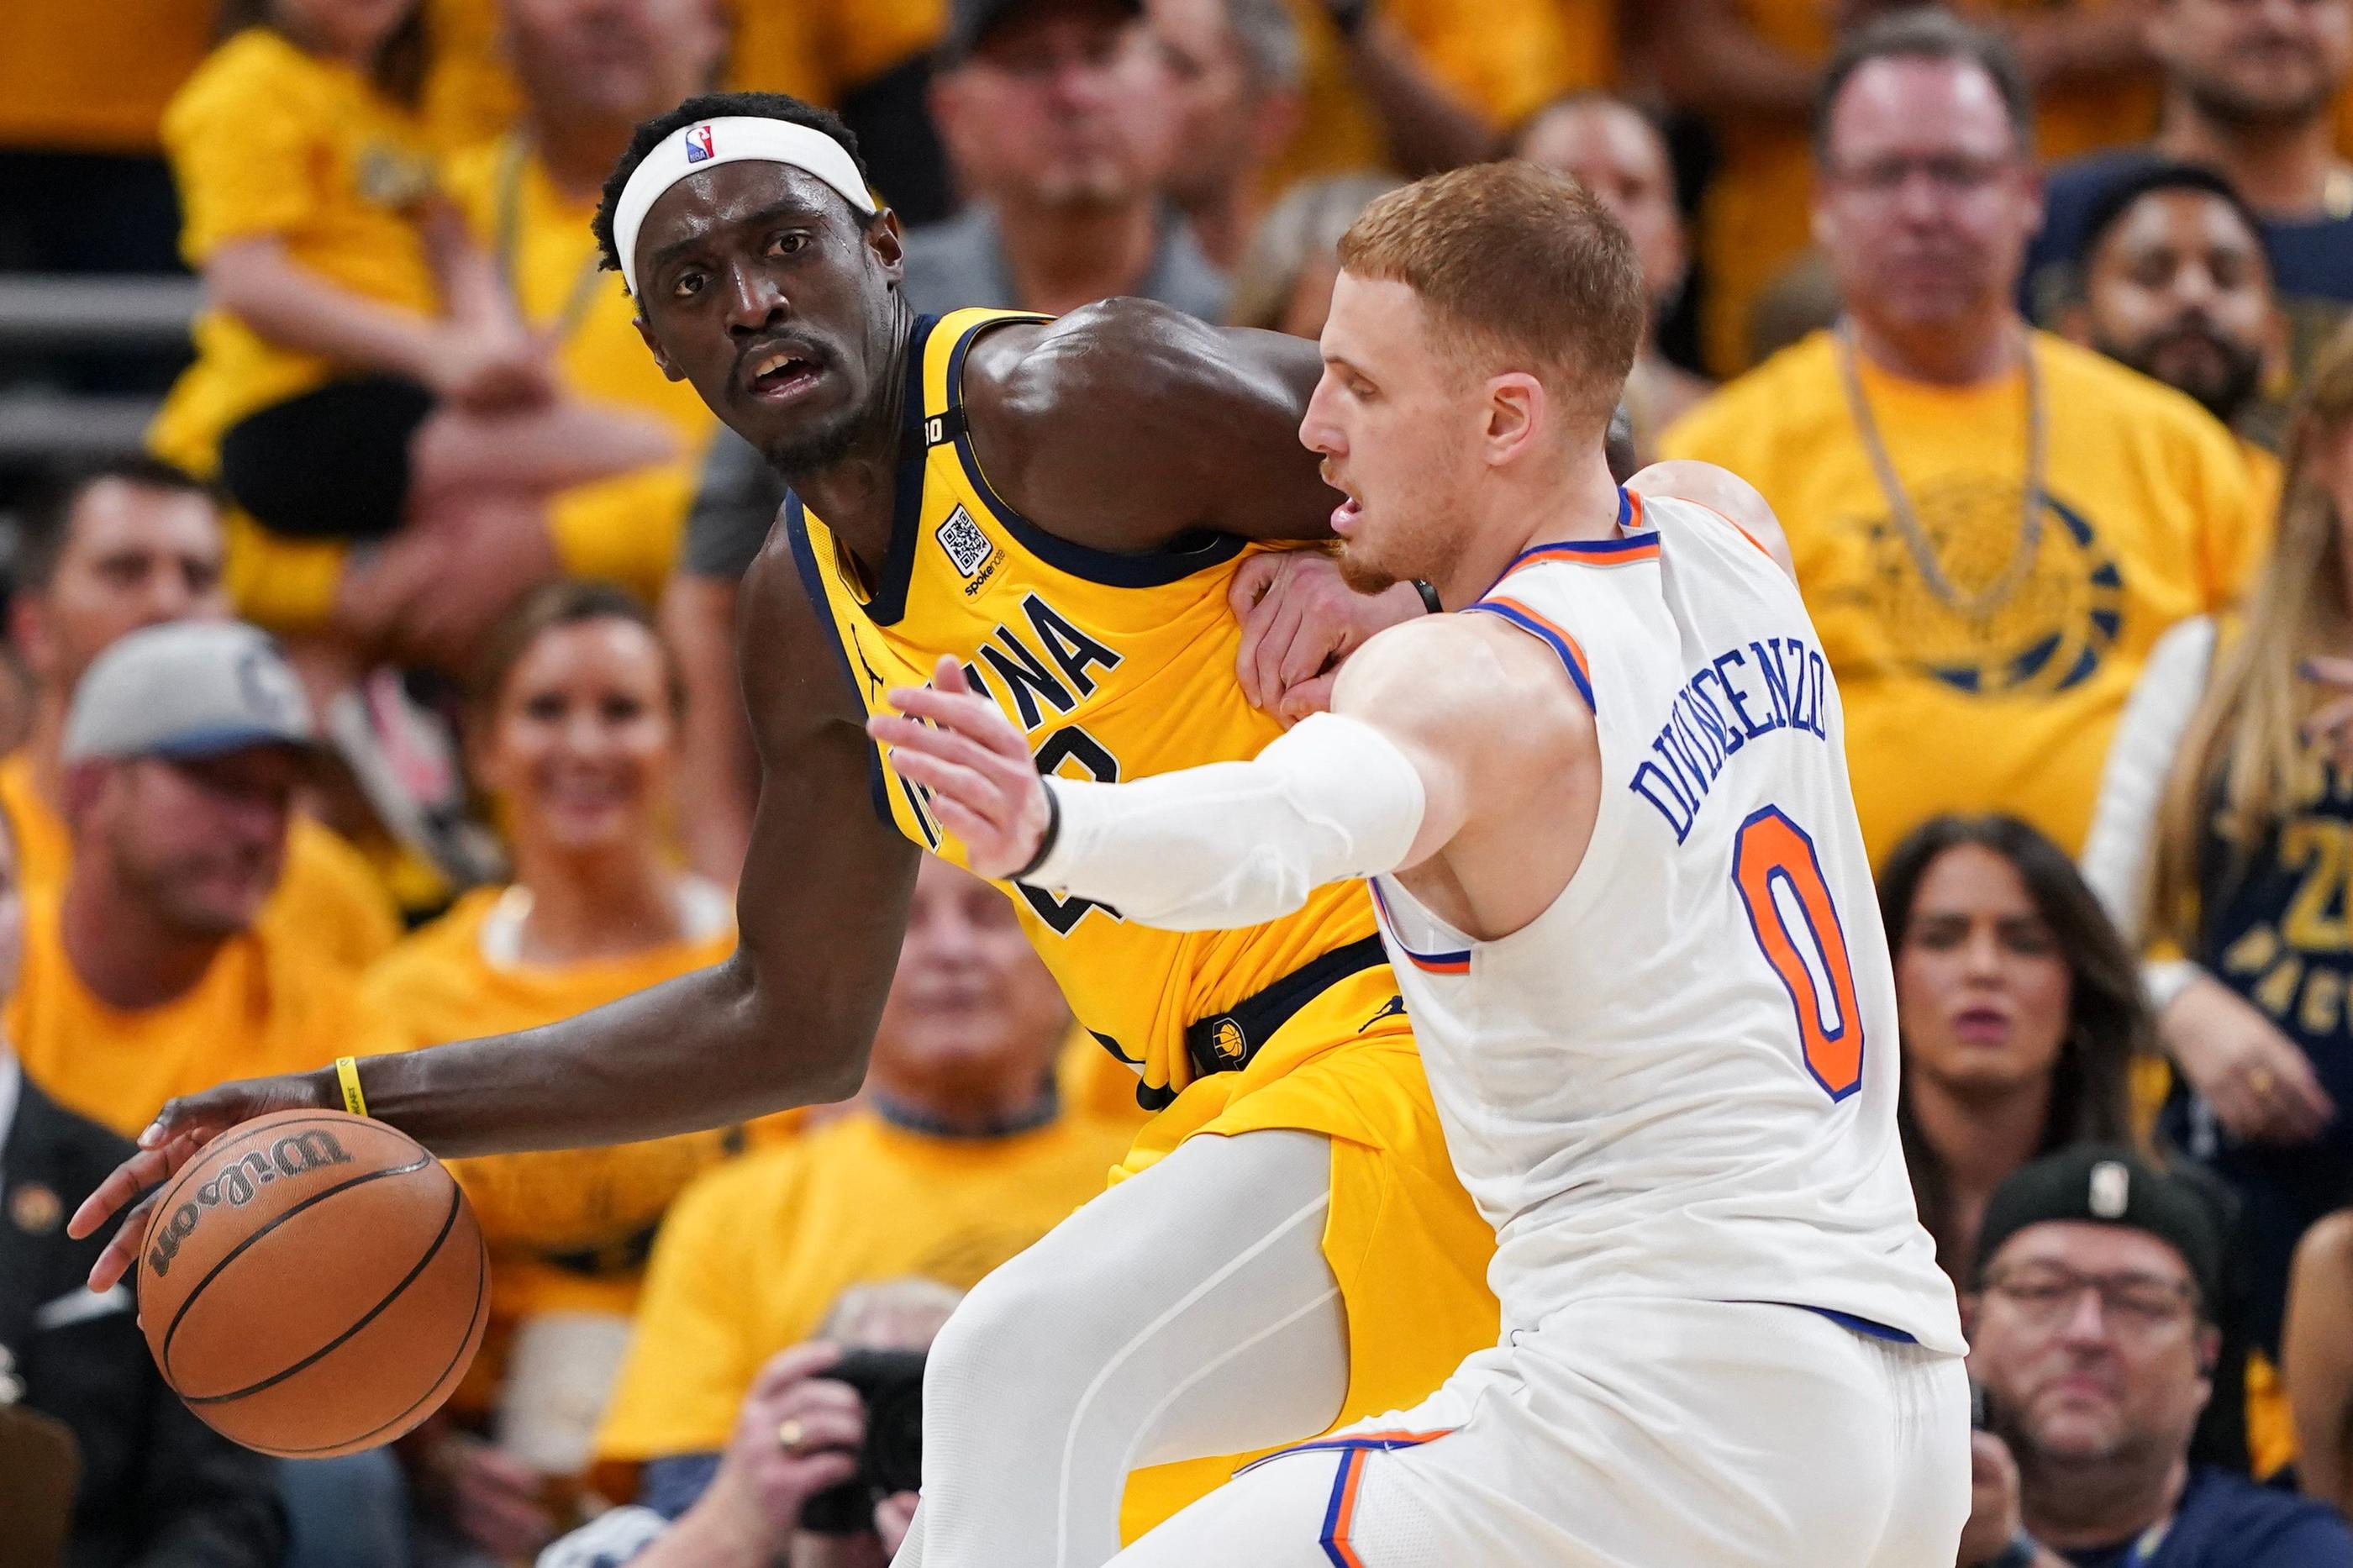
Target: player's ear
x=888, y=242
x=1516, y=411
x=646, y=335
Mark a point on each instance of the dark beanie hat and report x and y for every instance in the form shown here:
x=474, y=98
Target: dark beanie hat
x=2109, y=1184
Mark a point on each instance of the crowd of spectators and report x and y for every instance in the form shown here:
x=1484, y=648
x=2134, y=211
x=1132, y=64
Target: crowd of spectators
x=387, y=695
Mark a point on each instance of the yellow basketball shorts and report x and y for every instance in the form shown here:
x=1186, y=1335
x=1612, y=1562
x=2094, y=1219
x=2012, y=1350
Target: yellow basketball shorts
x=1406, y=1246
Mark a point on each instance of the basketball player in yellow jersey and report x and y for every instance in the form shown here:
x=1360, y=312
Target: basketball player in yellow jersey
x=1062, y=508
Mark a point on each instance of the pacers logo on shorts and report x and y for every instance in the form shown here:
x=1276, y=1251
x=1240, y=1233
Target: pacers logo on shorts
x=1232, y=1046
x=2049, y=632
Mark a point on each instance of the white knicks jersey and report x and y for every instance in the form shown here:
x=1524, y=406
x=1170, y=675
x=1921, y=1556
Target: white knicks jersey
x=1680, y=1079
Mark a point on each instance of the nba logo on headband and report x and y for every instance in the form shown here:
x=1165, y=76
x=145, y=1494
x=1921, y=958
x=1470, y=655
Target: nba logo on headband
x=698, y=144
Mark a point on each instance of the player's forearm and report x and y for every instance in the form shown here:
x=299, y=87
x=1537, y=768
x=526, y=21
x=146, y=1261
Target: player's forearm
x=707, y=1049
x=1237, y=844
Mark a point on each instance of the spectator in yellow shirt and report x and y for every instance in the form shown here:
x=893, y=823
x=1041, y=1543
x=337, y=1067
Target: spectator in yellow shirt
x=1619, y=153
x=147, y=973
x=1991, y=525
x=348, y=314
x=590, y=71
x=959, y=1158
x=102, y=552
x=576, y=729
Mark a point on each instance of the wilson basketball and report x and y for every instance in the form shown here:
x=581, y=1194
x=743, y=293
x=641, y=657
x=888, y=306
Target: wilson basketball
x=313, y=1283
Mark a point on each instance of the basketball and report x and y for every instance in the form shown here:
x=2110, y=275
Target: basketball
x=313, y=1283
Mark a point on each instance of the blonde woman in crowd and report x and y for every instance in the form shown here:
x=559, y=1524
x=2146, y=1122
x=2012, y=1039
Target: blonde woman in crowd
x=574, y=735
x=2224, y=841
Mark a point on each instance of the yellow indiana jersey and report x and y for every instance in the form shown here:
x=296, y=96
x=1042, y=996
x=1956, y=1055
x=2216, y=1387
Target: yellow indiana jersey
x=1117, y=667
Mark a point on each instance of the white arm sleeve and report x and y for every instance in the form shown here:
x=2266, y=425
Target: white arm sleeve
x=2132, y=790
x=1237, y=844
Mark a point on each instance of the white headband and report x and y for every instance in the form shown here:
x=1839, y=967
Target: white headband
x=710, y=142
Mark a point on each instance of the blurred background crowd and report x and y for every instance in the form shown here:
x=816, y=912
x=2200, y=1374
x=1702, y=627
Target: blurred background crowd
x=369, y=678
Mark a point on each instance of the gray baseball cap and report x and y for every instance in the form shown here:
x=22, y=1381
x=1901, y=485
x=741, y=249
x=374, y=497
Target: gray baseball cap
x=188, y=690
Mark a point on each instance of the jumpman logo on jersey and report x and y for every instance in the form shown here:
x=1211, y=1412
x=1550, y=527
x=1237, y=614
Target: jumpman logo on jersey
x=1392, y=1008
x=873, y=681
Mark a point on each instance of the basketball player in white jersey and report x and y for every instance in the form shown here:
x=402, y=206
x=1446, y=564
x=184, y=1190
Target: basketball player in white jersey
x=1607, y=815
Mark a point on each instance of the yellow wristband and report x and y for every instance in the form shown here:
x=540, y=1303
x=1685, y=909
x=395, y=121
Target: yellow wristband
x=347, y=1073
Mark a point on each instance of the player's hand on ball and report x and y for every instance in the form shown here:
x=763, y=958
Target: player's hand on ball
x=180, y=1129
x=959, y=745
x=1300, y=619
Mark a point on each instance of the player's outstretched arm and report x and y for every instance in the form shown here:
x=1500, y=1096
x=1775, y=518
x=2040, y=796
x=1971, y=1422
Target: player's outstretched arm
x=1417, y=746
x=785, y=1021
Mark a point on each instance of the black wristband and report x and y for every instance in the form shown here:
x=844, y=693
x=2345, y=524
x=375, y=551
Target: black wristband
x=1046, y=840
x=1429, y=601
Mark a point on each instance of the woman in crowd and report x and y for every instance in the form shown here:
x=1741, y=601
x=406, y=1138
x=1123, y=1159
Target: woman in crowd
x=573, y=733
x=1284, y=281
x=2224, y=837
x=2020, y=1011
x=350, y=314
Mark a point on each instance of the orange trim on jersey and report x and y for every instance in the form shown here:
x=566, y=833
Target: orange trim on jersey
x=1342, y=1520
x=1576, y=649
x=1736, y=529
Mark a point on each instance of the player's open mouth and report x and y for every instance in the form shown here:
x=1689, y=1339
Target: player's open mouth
x=782, y=375
x=1345, y=515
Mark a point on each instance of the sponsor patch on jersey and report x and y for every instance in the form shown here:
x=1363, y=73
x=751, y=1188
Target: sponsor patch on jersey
x=968, y=548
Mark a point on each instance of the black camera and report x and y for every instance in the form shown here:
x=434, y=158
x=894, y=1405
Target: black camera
x=891, y=1385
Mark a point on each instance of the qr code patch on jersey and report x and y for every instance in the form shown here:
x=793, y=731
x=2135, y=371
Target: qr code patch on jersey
x=967, y=545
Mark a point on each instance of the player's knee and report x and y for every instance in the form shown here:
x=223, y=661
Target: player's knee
x=1015, y=1332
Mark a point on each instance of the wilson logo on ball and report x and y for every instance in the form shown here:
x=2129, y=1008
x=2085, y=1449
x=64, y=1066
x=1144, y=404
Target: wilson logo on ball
x=237, y=1184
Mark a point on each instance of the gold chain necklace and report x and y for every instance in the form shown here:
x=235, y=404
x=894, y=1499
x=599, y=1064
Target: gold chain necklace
x=2028, y=542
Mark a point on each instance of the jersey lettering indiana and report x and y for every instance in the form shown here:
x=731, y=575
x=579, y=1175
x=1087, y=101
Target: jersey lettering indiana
x=1114, y=666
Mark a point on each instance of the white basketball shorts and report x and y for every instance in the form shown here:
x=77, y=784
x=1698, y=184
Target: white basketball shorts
x=1623, y=1433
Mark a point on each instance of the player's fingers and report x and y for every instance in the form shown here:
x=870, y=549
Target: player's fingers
x=127, y=1181
x=948, y=745
x=1250, y=581
x=123, y=1251
x=972, y=715
x=1281, y=617
x=948, y=675
x=1307, y=697
x=956, y=783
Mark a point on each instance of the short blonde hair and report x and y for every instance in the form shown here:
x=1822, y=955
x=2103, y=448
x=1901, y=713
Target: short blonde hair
x=1524, y=267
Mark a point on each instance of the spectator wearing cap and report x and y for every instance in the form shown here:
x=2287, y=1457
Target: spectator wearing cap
x=2250, y=92
x=2021, y=1015
x=156, y=1487
x=1618, y=154
x=148, y=972
x=590, y=71
x=102, y=552
x=1060, y=118
x=2093, y=1339
x=1992, y=526
x=2174, y=281
x=1237, y=70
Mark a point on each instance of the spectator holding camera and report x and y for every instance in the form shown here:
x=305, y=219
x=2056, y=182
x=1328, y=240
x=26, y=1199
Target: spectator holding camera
x=2020, y=1009
x=791, y=1486
x=2092, y=1339
x=959, y=1157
